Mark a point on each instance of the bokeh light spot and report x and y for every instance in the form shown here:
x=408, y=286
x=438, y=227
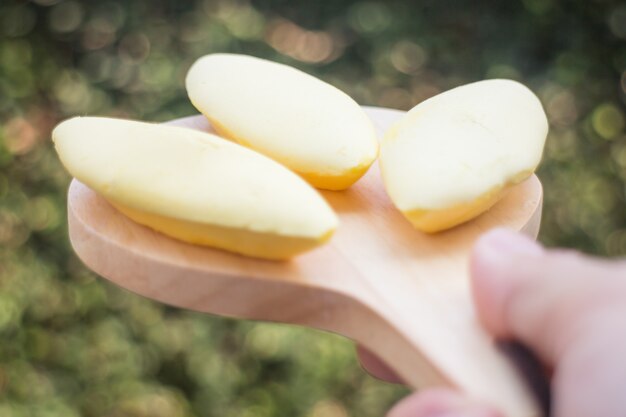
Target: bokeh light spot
x=607, y=121
x=98, y=33
x=72, y=92
x=42, y=214
x=264, y=341
x=157, y=71
x=66, y=17
x=617, y=21
x=328, y=408
x=242, y=20
x=299, y=43
x=562, y=109
x=20, y=136
x=15, y=55
x=135, y=46
x=408, y=57
x=369, y=17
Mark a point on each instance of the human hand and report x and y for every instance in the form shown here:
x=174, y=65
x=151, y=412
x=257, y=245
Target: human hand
x=570, y=309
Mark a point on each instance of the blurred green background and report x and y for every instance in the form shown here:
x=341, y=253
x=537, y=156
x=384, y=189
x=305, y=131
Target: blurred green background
x=74, y=345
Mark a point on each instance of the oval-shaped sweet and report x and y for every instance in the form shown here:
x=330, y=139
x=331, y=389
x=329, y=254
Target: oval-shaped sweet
x=195, y=186
x=300, y=121
x=452, y=156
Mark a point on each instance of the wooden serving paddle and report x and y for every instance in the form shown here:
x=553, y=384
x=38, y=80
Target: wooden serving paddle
x=401, y=293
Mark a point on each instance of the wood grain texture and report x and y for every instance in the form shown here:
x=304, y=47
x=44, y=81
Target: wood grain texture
x=402, y=294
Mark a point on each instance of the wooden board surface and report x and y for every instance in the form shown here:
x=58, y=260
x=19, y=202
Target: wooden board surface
x=402, y=294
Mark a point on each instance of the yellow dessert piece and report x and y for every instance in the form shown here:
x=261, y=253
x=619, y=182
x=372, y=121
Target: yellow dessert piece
x=245, y=242
x=196, y=187
x=335, y=182
x=307, y=125
x=326, y=181
x=453, y=156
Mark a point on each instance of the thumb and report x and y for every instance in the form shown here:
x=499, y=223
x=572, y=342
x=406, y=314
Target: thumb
x=569, y=308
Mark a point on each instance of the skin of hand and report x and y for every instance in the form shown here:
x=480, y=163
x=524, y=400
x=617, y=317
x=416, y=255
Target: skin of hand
x=570, y=309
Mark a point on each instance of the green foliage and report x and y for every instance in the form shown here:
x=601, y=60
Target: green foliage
x=73, y=345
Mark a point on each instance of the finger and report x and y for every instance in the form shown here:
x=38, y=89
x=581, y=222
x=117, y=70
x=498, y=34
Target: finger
x=491, y=269
x=537, y=296
x=590, y=378
x=567, y=307
x=376, y=367
x=440, y=403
